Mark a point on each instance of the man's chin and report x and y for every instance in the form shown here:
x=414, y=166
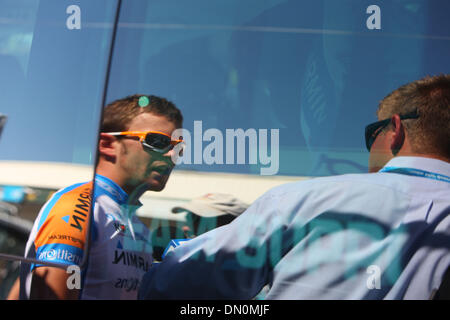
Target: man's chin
x=157, y=184
x=156, y=187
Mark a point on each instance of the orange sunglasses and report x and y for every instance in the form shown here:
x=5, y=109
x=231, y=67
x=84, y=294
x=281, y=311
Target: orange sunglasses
x=154, y=140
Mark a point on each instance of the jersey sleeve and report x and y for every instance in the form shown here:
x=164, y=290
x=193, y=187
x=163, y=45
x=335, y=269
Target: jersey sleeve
x=62, y=226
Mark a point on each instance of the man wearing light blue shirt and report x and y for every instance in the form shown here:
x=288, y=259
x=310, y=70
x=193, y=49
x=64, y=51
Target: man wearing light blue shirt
x=381, y=235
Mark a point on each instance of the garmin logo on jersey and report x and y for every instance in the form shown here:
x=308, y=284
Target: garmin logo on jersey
x=131, y=284
x=82, y=209
x=130, y=259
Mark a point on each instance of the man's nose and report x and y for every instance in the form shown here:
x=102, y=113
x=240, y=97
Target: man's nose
x=169, y=153
x=175, y=153
x=171, y=156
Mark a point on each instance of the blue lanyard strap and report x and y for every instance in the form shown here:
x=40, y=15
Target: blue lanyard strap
x=417, y=173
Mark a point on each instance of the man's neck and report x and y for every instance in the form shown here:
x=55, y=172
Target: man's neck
x=133, y=193
x=133, y=196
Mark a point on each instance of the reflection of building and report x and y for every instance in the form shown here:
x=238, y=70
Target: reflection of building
x=41, y=179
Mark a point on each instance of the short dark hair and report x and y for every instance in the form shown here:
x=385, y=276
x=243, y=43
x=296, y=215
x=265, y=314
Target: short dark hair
x=430, y=96
x=118, y=115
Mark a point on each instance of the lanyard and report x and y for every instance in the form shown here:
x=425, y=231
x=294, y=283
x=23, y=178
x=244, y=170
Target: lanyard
x=416, y=173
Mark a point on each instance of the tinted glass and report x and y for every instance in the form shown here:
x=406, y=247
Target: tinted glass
x=53, y=60
x=315, y=70
x=157, y=140
x=52, y=79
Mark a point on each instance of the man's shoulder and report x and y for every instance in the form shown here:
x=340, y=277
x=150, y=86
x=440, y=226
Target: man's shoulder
x=63, y=222
x=67, y=207
x=323, y=183
x=69, y=197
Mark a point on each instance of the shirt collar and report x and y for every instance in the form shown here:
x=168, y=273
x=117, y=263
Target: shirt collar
x=111, y=188
x=423, y=163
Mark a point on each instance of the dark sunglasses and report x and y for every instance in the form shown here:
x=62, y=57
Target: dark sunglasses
x=154, y=140
x=373, y=129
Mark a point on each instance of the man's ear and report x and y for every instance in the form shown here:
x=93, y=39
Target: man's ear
x=398, y=134
x=106, y=146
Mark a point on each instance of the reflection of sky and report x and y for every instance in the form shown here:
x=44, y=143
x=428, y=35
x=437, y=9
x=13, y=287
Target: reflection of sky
x=52, y=90
x=17, y=19
x=348, y=74
x=269, y=66
x=233, y=64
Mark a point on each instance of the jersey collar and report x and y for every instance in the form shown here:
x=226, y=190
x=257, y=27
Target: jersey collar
x=111, y=188
x=422, y=163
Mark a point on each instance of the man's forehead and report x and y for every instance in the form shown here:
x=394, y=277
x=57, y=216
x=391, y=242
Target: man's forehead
x=151, y=122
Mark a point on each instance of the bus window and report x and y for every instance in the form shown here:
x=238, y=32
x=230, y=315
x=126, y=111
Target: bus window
x=51, y=89
x=314, y=70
